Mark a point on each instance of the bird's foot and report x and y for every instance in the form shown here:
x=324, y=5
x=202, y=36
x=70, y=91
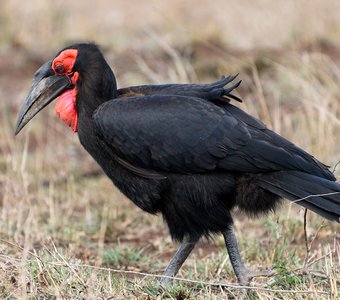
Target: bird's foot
x=263, y=273
x=246, y=276
x=165, y=281
x=178, y=259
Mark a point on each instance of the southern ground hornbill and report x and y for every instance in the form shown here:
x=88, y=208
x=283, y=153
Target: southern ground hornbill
x=181, y=150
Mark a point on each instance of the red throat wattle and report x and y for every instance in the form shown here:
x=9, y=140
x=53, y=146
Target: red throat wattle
x=66, y=104
x=65, y=109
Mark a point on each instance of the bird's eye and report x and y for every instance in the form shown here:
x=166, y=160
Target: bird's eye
x=59, y=69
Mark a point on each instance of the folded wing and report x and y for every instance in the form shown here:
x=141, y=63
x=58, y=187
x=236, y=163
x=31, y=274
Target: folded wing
x=182, y=134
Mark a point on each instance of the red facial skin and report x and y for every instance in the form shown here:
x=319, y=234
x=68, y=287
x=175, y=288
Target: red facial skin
x=66, y=104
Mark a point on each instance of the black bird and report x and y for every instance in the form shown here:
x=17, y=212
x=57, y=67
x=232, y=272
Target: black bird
x=182, y=150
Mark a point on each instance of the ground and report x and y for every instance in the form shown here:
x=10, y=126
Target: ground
x=67, y=233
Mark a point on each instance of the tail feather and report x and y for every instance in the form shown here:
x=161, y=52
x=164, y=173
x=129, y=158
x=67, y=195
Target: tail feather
x=315, y=193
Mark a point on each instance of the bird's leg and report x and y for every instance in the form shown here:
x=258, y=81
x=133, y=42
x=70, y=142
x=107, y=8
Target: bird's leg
x=243, y=274
x=179, y=258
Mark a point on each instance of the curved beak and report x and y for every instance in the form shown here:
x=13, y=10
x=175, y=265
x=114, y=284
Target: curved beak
x=45, y=88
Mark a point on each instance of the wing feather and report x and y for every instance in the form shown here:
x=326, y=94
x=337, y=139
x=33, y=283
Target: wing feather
x=183, y=134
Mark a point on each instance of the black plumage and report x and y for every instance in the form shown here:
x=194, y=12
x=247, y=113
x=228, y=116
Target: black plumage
x=183, y=150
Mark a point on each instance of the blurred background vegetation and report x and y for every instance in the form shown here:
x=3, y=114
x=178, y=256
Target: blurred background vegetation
x=59, y=213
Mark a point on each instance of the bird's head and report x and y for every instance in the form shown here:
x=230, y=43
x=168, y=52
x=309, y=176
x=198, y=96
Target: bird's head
x=78, y=76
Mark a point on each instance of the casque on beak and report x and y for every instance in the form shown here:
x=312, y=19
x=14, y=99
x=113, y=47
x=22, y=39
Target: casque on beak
x=45, y=88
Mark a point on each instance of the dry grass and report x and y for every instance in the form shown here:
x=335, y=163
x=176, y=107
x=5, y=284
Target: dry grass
x=67, y=233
